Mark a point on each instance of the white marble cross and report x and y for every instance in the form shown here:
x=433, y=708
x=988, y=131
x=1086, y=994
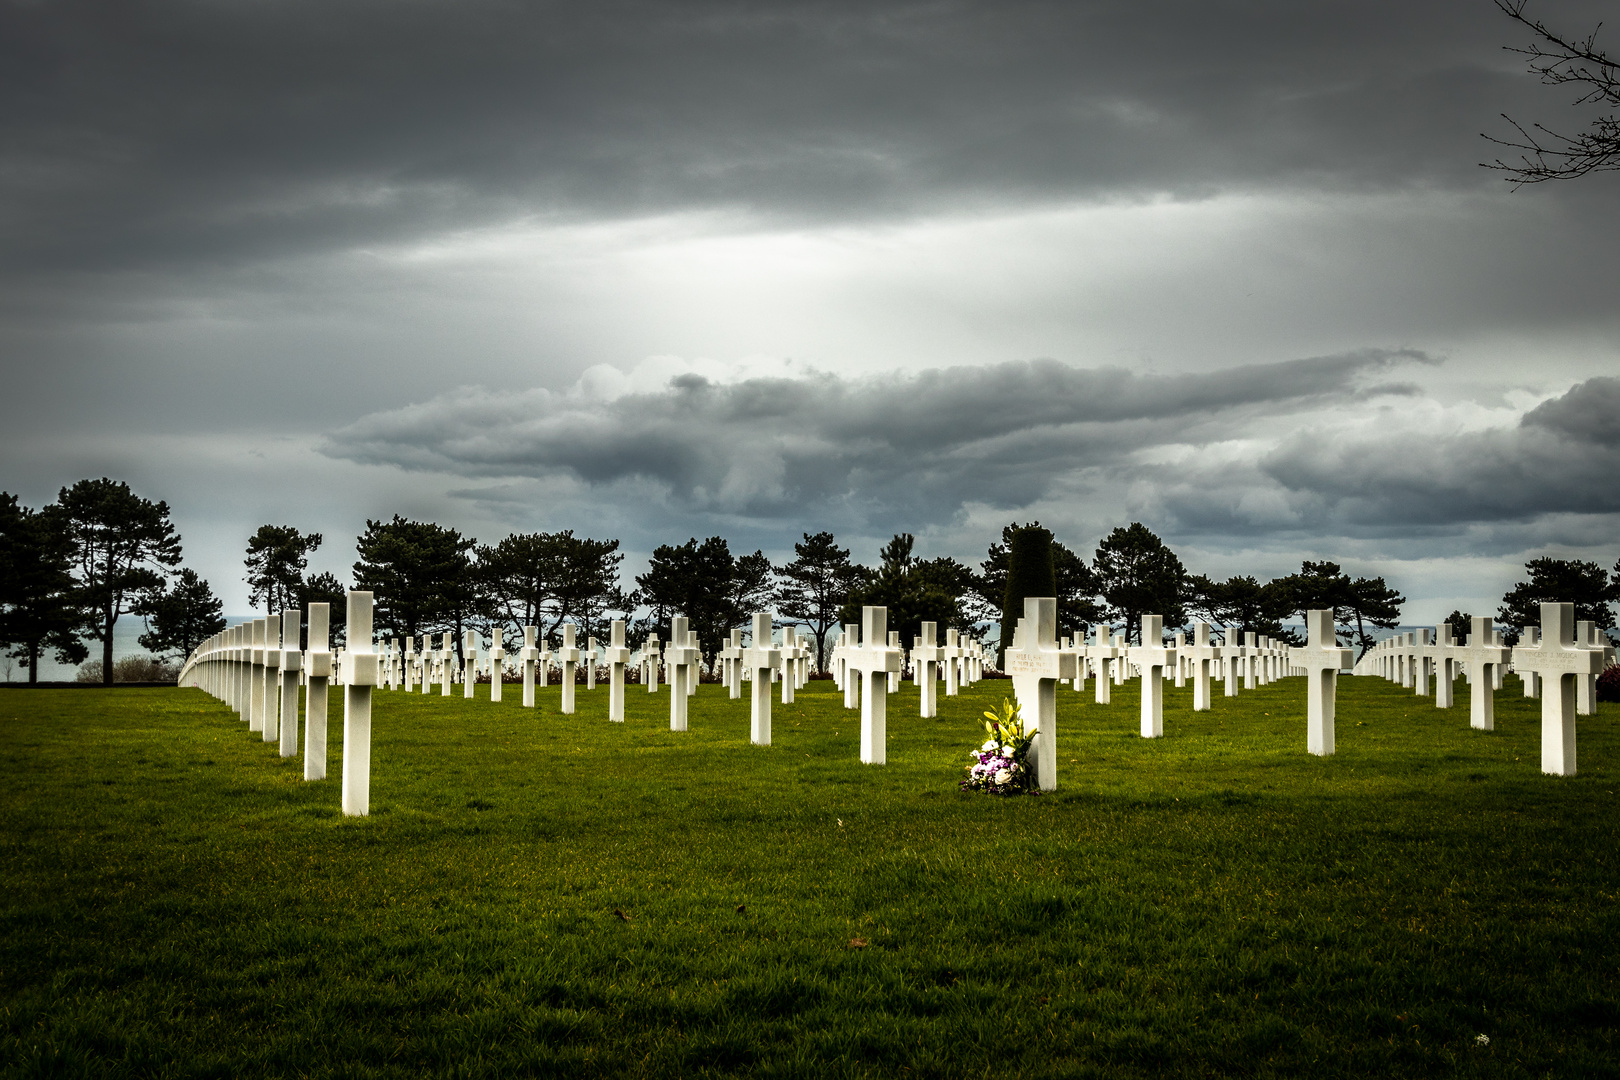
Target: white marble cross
x=616, y=656
x=1441, y=655
x=894, y=676
x=1103, y=654
x=497, y=661
x=359, y=676
x=1204, y=656
x=315, y=691
x=271, y=677
x=1560, y=661
x=651, y=657
x=1153, y=657
x=544, y=668
x=731, y=665
x=469, y=663
x=531, y=660
x=1422, y=662
x=926, y=656
x=1482, y=655
x=588, y=658
x=1530, y=637
x=869, y=663
x=290, y=662
x=952, y=657
x=790, y=663
x=1181, y=658
x=851, y=686
x=680, y=661
x=569, y=656
x=447, y=663
x=1037, y=665
x=1322, y=660
x=1586, y=636
x=760, y=658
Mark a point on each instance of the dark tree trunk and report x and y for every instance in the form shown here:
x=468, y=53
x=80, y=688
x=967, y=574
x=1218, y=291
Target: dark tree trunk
x=106, y=654
x=33, y=664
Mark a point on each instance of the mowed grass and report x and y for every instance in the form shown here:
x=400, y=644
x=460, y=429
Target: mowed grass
x=542, y=894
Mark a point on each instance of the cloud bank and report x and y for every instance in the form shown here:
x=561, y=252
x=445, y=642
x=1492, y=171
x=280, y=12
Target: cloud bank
x=1307, y=446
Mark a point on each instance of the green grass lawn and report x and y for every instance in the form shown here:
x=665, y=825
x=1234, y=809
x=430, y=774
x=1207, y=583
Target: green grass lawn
x=540, y=894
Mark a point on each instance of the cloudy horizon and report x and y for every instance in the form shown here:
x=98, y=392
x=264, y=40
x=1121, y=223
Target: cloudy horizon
x=659, y=271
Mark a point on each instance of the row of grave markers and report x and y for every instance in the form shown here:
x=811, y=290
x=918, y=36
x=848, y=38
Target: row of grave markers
x=1560, y=658
x=257, y=669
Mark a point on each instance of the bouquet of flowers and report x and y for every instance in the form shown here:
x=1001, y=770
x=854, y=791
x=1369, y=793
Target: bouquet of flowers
x=1000, y=766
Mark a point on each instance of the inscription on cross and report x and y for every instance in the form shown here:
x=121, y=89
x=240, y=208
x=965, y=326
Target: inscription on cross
x=1560, y=661
x=1036, y=664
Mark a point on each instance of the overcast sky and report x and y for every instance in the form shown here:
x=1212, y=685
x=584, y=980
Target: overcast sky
x=663, y=270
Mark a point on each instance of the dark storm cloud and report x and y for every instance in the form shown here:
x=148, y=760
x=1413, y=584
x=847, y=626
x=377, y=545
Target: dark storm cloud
x=155, y=132
x=918, y=445
x=1559, y=459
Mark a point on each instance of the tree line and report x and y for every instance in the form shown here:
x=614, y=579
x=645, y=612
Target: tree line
x=72, y=569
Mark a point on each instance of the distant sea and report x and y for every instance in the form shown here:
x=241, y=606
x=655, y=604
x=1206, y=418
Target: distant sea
x=126, y=631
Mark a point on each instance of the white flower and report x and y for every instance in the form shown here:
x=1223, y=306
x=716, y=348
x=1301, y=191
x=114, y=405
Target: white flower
x=989, y=747
x=1483, y=1040
x=1006, y=751
x=1003, y=776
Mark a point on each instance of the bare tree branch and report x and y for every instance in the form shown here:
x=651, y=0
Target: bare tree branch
x=1546, y=154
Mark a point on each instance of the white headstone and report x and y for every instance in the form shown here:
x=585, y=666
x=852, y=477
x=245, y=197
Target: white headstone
x=1560, y=661
x=760, y=658
x=315, y=692
x=1322, y=658
x=1153, y=657
x=1103, y=655
x=869, y=663
x=1204, y=657
x=568, y=656
x=1482, y=656
x=616, y=656
x=681, y=661
x=360, y=675
x=1036, y=665
x=290, y=663
x=926, y=657
x=1441, y=654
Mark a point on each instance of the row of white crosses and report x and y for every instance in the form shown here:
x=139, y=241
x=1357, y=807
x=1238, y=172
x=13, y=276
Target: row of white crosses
x=1037, y=663
x=1559, y=661
x=256, y=668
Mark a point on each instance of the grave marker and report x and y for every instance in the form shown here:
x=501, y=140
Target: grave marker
x=359, y=676
x=1482, y=655
x=616, y=656
x=569, y=656
x=1322, y=660
x=678, y=658
x=315, y=691
x=1153, y=657
x=1560, y=661
x=926, y=656
x=869, y=663
x=290, y=663
x=1037, y=665
x=760, y=658
x=1204, y=656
